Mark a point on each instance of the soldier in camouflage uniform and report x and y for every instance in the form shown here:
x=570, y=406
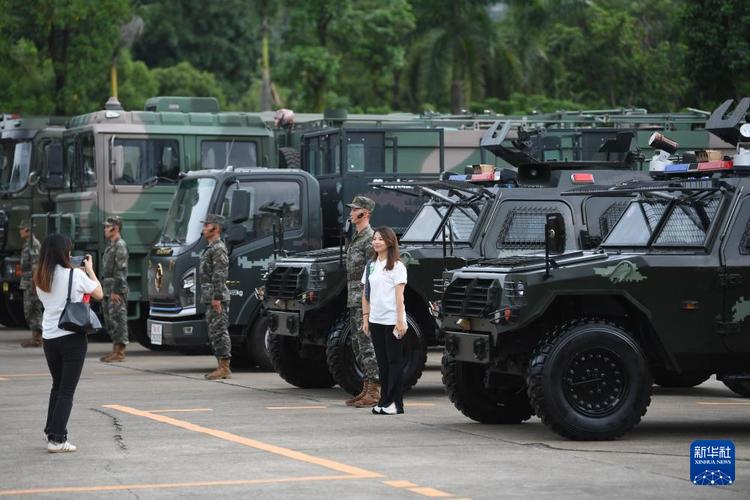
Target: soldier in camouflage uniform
x=214, y=270
x=32, y=307
x=358, y=252
x=115, y=287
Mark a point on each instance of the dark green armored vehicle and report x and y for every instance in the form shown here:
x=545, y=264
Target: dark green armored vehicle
x=578, y=337
x=465, y=219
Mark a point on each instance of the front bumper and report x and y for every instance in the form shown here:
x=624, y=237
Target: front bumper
x=469, y=347
x=177, y=333
x=284, y=323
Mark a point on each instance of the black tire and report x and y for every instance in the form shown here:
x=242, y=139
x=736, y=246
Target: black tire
x=289, y=158
x=343, y=366
x=137, y=331
x=612, y=400
x=308, y=372
x=506, y=403
x=256, y=347
x=11, y=313
x=666, y=378
x=740, y=387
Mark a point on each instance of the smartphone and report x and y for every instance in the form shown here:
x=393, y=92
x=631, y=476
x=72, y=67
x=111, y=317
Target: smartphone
x=77, y=260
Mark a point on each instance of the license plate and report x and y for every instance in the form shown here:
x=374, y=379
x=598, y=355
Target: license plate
x=156, y=333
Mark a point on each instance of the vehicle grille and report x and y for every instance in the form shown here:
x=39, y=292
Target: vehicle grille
x=282, y=283
x=468, y=297
x=170, y=304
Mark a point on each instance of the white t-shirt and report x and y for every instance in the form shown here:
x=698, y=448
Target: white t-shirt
x=54, y=300
x=383, y=290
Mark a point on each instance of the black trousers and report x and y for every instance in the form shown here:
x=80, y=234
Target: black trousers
x=390, y=356
x=65, y=356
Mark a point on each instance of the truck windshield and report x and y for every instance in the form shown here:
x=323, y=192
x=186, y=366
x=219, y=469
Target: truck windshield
x=461, y=221
x=680, y=223
x=189, y=206
x=15, y=164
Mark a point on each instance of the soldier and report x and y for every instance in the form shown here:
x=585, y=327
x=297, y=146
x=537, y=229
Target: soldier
x=214, y=269
x=32, y=307
x=358, y=250
x=115, y=287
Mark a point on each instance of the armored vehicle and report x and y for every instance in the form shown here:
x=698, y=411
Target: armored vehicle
x=30, y=176
x=467, y=218
x=127, y=163
x=578, y=337
x=266, y=209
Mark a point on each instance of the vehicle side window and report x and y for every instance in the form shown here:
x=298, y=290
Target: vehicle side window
x=745, y=241
x=144, y=159
x=688, y=224
x=86, y=167
x=221, y=154
x=278, y=196
x=523, y=229
x=610, y=217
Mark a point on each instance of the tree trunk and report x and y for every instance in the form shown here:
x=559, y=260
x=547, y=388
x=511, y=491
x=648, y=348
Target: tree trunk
x=265, y=91
x=457, y=96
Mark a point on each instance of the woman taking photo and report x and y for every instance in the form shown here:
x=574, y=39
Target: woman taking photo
x=384, y=317
x=65, y=351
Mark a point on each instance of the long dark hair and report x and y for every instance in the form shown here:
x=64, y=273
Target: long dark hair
x=55, y=250
x=391, y=243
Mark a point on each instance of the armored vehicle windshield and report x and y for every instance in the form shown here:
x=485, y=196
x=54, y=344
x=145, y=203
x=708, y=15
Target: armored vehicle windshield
x=189, y=205
x=15, y=164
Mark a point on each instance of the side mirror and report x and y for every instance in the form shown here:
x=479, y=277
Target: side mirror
x=236, y=233
x=240, y=209
x=34, y=178
x=55, y=177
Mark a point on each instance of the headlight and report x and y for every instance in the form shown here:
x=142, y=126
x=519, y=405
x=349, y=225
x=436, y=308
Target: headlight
x=187, y=289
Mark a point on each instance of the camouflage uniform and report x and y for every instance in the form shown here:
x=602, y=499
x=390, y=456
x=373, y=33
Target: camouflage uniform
x=32, y=306
x=115, y=280
x=357, y=252
x=214, y=270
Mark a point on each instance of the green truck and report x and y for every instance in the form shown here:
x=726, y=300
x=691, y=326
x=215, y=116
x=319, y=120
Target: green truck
x=30, y=155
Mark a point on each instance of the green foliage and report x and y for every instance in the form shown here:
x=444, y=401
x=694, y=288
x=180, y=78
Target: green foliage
x=184, y=79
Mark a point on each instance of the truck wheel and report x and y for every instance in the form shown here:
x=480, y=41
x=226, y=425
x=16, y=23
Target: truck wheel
x=666, y=378
x=289, y=158
x=12, y=313
x=255, y=345
x=503, y=404
x=307, y=372
x=741, y=387
x=589, y=380
x=342, y=362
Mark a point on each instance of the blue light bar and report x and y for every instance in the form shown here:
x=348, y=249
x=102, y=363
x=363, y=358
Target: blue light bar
x=677, y=167
x=458, y=177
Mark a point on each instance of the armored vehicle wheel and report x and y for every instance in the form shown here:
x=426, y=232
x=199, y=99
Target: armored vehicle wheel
x=256, y=347
x=289, y=158
x=343, y=365
x=11, y=313
x=741, y=387
x=308, y=371
x=589, y=380
x=666, y=378
x=505, y=403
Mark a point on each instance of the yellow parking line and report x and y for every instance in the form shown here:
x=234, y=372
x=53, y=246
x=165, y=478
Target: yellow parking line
x=3, y=379
x=195, y=484
x=430, y=492
x=722, y=403
x=418, y=404
x=180, y=410
x=252, y=443
x=19, y=375
x=400, y=484
x=311, y=407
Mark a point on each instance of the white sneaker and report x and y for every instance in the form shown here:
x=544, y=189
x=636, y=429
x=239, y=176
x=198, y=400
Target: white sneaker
x=376, y=410
x=65, y=447
x=389, y=410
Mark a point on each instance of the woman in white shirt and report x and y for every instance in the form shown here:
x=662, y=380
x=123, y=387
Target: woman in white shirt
x=384, y=317
x=65, y=351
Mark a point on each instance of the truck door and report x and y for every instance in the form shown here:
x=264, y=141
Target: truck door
x=735, y=278
x=274, y=201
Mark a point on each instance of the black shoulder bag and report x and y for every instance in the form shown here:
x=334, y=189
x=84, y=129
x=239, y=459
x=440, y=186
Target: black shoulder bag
x=77, y=317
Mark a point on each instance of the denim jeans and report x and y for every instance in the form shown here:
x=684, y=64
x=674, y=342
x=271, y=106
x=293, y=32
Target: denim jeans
x=65, y=356
x=390, y=356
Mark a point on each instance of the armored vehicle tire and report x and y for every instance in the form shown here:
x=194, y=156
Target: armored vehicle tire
x=741, y=387
x=289, y=158
x=685, y=379
x=504, y=404
x=343, y=366
x=11, y=313
x=256, y=346
x=309, y=372
x=589, y=380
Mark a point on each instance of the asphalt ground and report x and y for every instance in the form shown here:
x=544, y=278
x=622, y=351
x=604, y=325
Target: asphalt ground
x=152, y=427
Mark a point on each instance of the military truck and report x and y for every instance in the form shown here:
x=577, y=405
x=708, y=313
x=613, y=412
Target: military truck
x=577, y=337
x=309, y=340
x=127, y=163
x=266, y=209
x=30, y=176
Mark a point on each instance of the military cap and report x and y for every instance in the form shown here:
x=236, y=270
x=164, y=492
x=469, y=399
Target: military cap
x=25, y=224
x=113, y=220
x=362, y=202
x=213, y=219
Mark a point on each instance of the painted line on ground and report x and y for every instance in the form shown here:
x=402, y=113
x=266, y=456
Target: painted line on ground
x=413, y=405
x=174, y=410
x=2, y=379
x=723, y=403
x=252, y=443
x=309, y=407
x=19, y=375
x=400, y=484
x=429, y=492
x=195, y=484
